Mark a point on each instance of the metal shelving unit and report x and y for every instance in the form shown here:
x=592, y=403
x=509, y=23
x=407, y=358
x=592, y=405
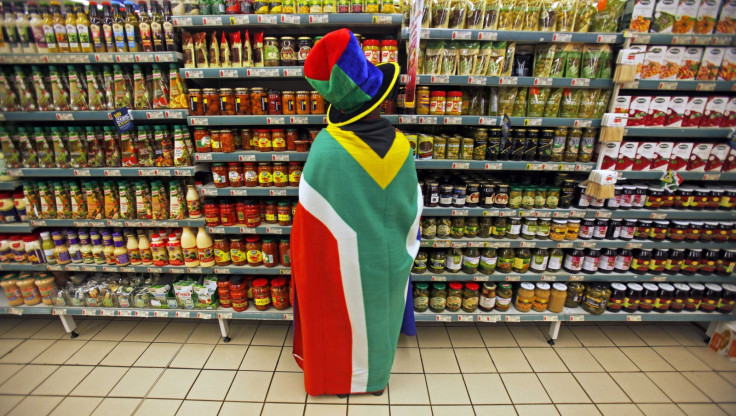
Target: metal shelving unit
x=15, y=227
x=503, y=165
x=670, y=39
x=564, y=37
x=252, y=156
x=227, y=73
x=688, y=176
x=570, y=315
x=210, y=190
x=676, y=132
x=494, y=121
x=659, y=214
x=674, y=85
x=78, y=267
x=352, y=19
x=567, y=277
x=263, y=229
x=275, y=120
x=35, y=116
x=118, y=223
x=106, y=172
x=519, y=243
x=92, y=58
x=579, y=315
x=475, y=80
x=10, y=185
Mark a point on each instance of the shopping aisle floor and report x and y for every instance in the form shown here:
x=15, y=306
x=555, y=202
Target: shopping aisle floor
x=176, y=367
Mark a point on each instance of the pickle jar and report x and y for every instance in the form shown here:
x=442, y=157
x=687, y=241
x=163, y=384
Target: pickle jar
x=421, y=297
x=488, y=260
x=420, y=262
x=471, y=260
x=504, y=293
x=618, y=295
x=454, y=297
x=487, y=297
x=595, y=299
x=437, y=261
x=438, y=297
x=574, y=294
x=471, y=296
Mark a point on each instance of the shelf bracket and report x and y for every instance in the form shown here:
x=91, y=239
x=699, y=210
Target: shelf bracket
x=69, y=325
x=224, y=329
x=554, y=330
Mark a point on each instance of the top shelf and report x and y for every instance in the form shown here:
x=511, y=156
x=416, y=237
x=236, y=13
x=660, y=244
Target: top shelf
x=563, y=37
x=288, y=19
x=672, y=39
x=91, y=58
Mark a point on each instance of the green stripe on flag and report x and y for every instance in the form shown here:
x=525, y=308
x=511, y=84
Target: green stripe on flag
x=341, y=91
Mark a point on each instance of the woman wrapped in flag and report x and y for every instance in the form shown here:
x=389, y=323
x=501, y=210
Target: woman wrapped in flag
x=354, y=236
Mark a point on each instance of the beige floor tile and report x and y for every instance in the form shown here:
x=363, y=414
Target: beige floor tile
x=241, y=334
x=63, y=380
x=453, y=411
x=701, y=410
x=486, y=389
x=206, y=333
x=681, y=359
x=27, y=351
x=76, y=406
x=174, y=383
x=7, y=345
x=408, y=389
x=715, y=387
x=528, y=336
x=283, y=409
x=509, y=360
x=447, y=389
x=579, y=360
x=273, y=335
x=407, y=360
x=439, y=360
x=88, y=328
x=654, y=336
x=622, y=336
x=240, y=408
x=158, y=407
x=677, y=387
x=591, y=336
x=544, y=360
x=601, y=388
x=261, y=358
x=54, y=330
x=355, y=398
x=192, y=356
x=409, y=410
x=92, y=353
x=287, y=388
x=368, y=410
x=250, y=386
x=116, y=330
x=146, y=331
x=199, y=408
x=578, y=410
x=497, y=335
x=28, y=327
x=8, y=370
x=536, y=410
x=499, y=410
x=116, y=407
x=226, y=357
x=612, y=359
x=525, y=388
x=714, y=361
x=125, y=354
x=619, y=409
x=8, y=323
x=646, y=359
x=474, y=360
x=433, y=337
x=728, y=375
x=211, y=385
x=36, y=406
x=100, y=381
x=660, y=410
x=9, y=402
x=688, y=334
x=563, y=388
x=640, y=388
x=158, y=354
x=464, y=337
x=287, y=361
x=326, y=410
x=566, y=339
x=136, y=382
x=175, y=332
x=333, y=399
x=27, y=379
x=404, y=341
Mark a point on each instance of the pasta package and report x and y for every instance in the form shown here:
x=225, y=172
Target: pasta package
x=705, y=22
x=544, y=56
x=653, y=62
x=712, y=58
x=552, y=107
x=490, y=14
x=586, y=9
x=641, y=16
x=673, y=60
x=537, y=99
x=727, y=19
x=687, y=11
x=565, y=11
x=728, y=66
x=664, y=16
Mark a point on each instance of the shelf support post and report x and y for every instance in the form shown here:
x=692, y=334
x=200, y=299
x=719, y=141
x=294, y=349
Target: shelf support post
x=224, y=329
x=69, y=325
x=554, y=330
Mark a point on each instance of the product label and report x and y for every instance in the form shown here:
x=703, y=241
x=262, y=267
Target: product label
x=206, y=255
x=421, y=302
x=454, y=302
x=254, y=256
x=119, y=35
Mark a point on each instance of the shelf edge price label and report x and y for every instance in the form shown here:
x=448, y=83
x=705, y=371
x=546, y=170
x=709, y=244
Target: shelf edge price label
x=270, y=19
x=588, y=244
x=228, y=73
x=634, y=245
x=606, y=38
x=143, y=314
x=658, y=216
x=382, y=20
x=443, y=318
x=477, y=80
x=493, y=166
x=439, y=278
x=64, y=116
x=107, y=312
x=298, y=72
x=549, y=278
x=507, y=213
x=203, y=315
x=439, y=79
x=580, y=82
x=161, y=314
x=577, y=318
x=667, y=86
x=461, y=34
x=513, y=318
x=408, y=120
x=274, y=230
x=543, y=81
x=551, y=318
x=194, y=74
x=15, y=311
x=564, y=245
x=480, y=278
x=527, y=244
x=288, y=317
x=488, y=121
x=58, y=311
x=453, y=120
x=487, y=35
x=633, y=318
x=82, y=172
x=298, y=120
x=562, y=37
x=603, y=214
x=125, y=313
x=465, y=318
x=290, y=19
x=318, y=18
x=427, y=120
x=280, y=192
x=280, y=158
x=508, y=81
x=513, y=278
x=706, y=86
x=247, y=158
x=583, y=123
x=225, y=315
x=487, y=318
x=576, y=277
x=461, y=165
x=200, y=121
x=222, y=271
x=532, y=121
x=712, y=177
x=180, y=314
x=275, y=120
x=659, y=278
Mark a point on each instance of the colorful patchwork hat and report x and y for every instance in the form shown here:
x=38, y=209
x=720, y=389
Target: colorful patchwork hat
x=337, y=68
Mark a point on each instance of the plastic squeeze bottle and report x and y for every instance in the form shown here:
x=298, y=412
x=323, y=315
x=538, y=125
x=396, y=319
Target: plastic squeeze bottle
x=189, y=248
x=205, y=249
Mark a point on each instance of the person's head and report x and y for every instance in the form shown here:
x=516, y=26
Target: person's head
x=355, y=88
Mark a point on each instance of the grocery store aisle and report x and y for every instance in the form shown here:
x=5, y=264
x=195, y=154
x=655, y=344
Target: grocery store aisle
x=182, y=367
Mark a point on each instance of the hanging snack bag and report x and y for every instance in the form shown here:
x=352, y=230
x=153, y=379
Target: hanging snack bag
x=710, y=64
x=187, y=43
x=641, y=17
x=570, y=103
x=544, y=57
x=727, y=18
x=450, y=58
x=537, y=101
x=565, y=15
x=200, y=50
x=552, y=107
x=687, y=11
x=490, y=15
x=586, y=9
x=607, y=18
x=674, y=57
x=214, y=51
x=728, y=66
x=690, y=63
x=664, y=16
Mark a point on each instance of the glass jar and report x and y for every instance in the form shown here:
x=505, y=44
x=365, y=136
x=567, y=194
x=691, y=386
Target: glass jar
x=421, y=297
x=573, y=229
x=454, y=297
x=587, y=229
x=524, y=297
x=317, y=103
x=261, y=294
x=242, y=102
x=628, y=229
x=437, y=261
x=471, y=260
x=648, y=297
x=438, y=298
x=557, y=298
x=227, y=101
x=539, y=261
x=725, y=264
x=558, y=230
x=607, y=261
x=280, y=175
x=528, y=228
x=253, y=252
x=691, y=263
x=634, y=293
x=659, y=260
x=591, y=260
x=265, y=174
x=595, y=299
x=196, y=104
x=575, y=292
x=522, y=259
x=573, y=261
x=280, y=293
x=420, y=262
x=618, y=295
x=695, y=297
x=303, y=102
x=513, y=229
x=709, y=230
x=487, y=297
x=542, y=294
x=504, y=294
x=624, y=257
x=437, y=101
x=488, y=260
x=677, y=230
x=694, y=230
x=728, y=298
x=664, y=297
x=543, y=228
x=674, y=262
x=211, y=102
x=643, y=229
x=708, y=262
x=220, y=175
x=555, y=260
x=682, y=291
x=712, y=296
x=235, y=174
x=470, y=297
x=641, y=260
x=258, y=101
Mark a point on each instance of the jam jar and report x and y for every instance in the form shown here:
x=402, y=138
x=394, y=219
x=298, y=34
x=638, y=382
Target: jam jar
x=708, y=262
x=725, y=264
x=683, y=197
x=709, y=230
x=728, y=298
x=682, y=291
x=618, y=295
x=305, y=46
x=691, y=263
x=712, y=296
x=648, y=297
x=677, y=230
x=695, y=297
x=288, y=47
x=674, y=261
x=641, y=261
x=695, y=228
x=196, y=105
x=242, y=102
x=633, y=297
x=624, y=258
x=211, y=102
x=643, y=229
x=274, y=102
x=664, y=297
x=258, y=101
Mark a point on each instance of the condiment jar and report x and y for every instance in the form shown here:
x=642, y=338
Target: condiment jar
x=682, y=291
x=575, y=292
x=261, y=294
x=421, y=297
x=633, y=297
x=695, y=297
x=542, y=296
x=487, y=297
x=454, y=297
x=618, y=295
x=470, y=297
x=504, y=293
x=728, y=298
x=524, y=297
x=438, y=297
x=558, y=296
x=595, y=299
x=712, y=296
x=648, y=297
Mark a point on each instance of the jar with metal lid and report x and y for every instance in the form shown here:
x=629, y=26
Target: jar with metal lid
x=664, y=297
x=607, y=261
x=728, y=199
x=528, y=228
x=674, y=262
x=700, y=198
x=728, y=298
x=196, y=105
x=470, y=297
x=466, y=148
x=454, y=297
x=265, y=174
x=691, y=263
x=471, y=260
x=643, y=229
x=288, y=102
x=317, y=103
x=627, y=198
x=573, y=262
x=454, y=103
x=557, y=298
x=654, y=197
x=261, y=294
x=641, y=261
x=587, y=229
x=458, y=196
x=305, y=46
x=543, y=228
x=595, y=299
x=288, y=51
x=540, y=196
x=487, y=299
x=624, y=257
x=428, y=226
x=271, y=52
x=522, y=259
x=274, y=102
x=677, y=230
x=616, y=300
x=659, y=260
x=485, y=227
x=573, y=229
x=709, y=230
x=226, y=101
x=694, y=231
x=555, y=260
x=659, y=230
x=726, y=263
x=633, y=297
x=614, y=229
x=695, y=297
x=615, y=202
x=444, y=227
x=471, y=227
x=711, y=297
x=512, y=229
x=575, y=292
x=220, y=175
x=303, y=102
x=505, y=260
x=668, y=199
x=524, y=297
x=501, y=199
x=437, y=103
x=420, y=263
x=648, y=297
x=558, y=230
x=708, y=262
x=683, y=197
x=723, y=232
x=628, y=229
x=591, y=260
x=515, y=196
x=567, y=193
x=572, y=145
x=640, y=196
x=504, y=295
x=258, y=101
x=242, y=101
x=527, y=197
x=601, y=229
x=458, y=227
x=437, y=261
x=438, y=297
x=421, y=297
x=210, y=102
x=542, y=294
x=553, y=198
x=682, y=291
x=235, y=174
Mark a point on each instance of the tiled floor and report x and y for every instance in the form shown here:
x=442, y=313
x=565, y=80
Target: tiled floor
x=163, y=367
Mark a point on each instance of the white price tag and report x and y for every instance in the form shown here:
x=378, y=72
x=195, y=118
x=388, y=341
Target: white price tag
x=551, y=318
x=280, y=192
x=73, y=269
x=580, y=82
x=453, y=120
x=112, y=172
x=212, y=21
x=222, y=271
x=488, y=318
x=603, y=214
x=532, y=121
x=181, y=314
x=382, y=19
x=712, y=177
x=606, y=38
x=269, y=19
x=577, y=318
x=428, y=120
x=562, y=37
x=513, y=278
x=296, y=72
x=459, y=212
x=177, y=270
x=274, y=230
x=443, y=318
x=588, y=244
x=318, y=18
x=125, y=313
x=633, y=318
x=64, y=116
x=564, y=245
x=542, y=81
x=193, y=74
x=706, y=86
x=508, y=81
x=513, y=318
x=583, y=123
x=440, y=79
x=143, y=314
x=146, y=57
x=461, y=34
x=408, y=120
x=15, y=311
x=576, y=277
x=228, y=73
x=480, y=278
x=107, y=312
x=634, y=245
x=82, y=172
x=493, y=166
x=199, y=121
x=290, y=19
x=204, y=315
x=658, y=216
x=247, y=158
x=288, y=317
x=507, y=213
x=225, y=315
x=245, y=230
x=492, y=213
x=639, y=38
x=667, y=86
x=487, y=35
x=129, y=269
x=161, y=314
x=439, y=278
x=275, y=120
x=461, y=165
x=659, y=278
x=577, y=214
x=527, y=244
x=488, y=121
x=477, y=80
x=534, y=166
x=182, y=21
x=549, y=278
x=298, y=120
x=238, y=192
x=465, y=318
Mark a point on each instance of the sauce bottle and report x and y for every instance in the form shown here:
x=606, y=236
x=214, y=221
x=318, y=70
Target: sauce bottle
x=60, y=251
x=144, y=247
x=194, y=205
x=35, y=23
x=205, y=248
x=97, y=249
x=157, y=30
x=118, y=29
x=97, y=37
x=59, y=28
x=85, y=248
x=132, y=29
x=109, y=250
x=23, y=25
x=121, y=253
x=108, y=34
x=172, y=43
x=9, y=29
x=134, y=253
x=71, y=27
x=83, y=28
x=176, y=257
x=158, y=249
x=189, y=248
x=145, y=27
x=47, y=24
x=48, y=247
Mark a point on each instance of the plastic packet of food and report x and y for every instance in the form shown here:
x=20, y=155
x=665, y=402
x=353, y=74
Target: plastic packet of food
x=177, y=89
x=58, y=143
x=607, y=19
x=41, y=90
x=27, y=150
x=77, y=149
x=490, y=59
x=591, y=63
x=236, y=49
x=142, y=201
x=557, y=68
x=48, y=201
x=543, y=59
x=23, y=89
x=95, y=152
x=586, y=9
x=601, y=104
x=588, y=100
x=687, y=12
x=160, y=90
x=257, y=53
x=433, y=57
x=120, y=89
x=95, y=91
x=565, y=11
x=184, y=291
x=440, y=14
x=728, y=66
x=95, y=202
x=200, y=50
x=44, y=150
x=482, y=61
x=63, y=202
x=177, y=205
x=225, y=58
x=508, y=61
x=144, y=148
x=506, y=100
x=8, y=99
x=426, y=14
x=187, y=44
x=10, y=150
x=518, y=14
x=77, y=94
x=705, y=22
x=141, y=96
x=531, y=15
x=523, y=61
x=468, y=55
x=126, y=198
x=664, y=16
x=519, y=109
x=449, y=58
x=128, y=152
x=570, y=102
x=536, y=101
x=108, y=85
x=79, y=201
x=458, y=13
x=506, y=15
x=547, y=16
x=33, y=202
x=59, y=92
x=552, y=107
x=606, y=67
x=214, y=51
x=490, y=14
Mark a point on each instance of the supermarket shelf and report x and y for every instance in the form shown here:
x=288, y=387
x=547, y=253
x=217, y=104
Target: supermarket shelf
x=567, y=277
x=659, y=214
x=256, y=120
x=670, y=39
x=216, y=21
x=688, y=176
x=505, y=165
x=251, y=156
x=210, y=190
x=494, y=316
x=10, y=185
x=265, y=229
x=16, y=227
x=33, y=116
x=514, y=81
x=119, y=223
x=578, y=315
x=681, y=85
x=259, y=270
x=106, y=172
x=519, y=243
x=217, y=73
x=694, y=132
x=468, y=34
x=494, y=121
x=92, y=58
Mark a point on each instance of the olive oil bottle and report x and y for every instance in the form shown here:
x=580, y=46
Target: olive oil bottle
x=132, y=29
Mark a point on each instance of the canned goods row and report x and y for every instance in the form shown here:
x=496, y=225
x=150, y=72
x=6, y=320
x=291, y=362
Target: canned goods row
x=653, y=197
x=555, y=145
x=253, y=101
x=249, y=213
x=265, y=140
x=236, y=175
